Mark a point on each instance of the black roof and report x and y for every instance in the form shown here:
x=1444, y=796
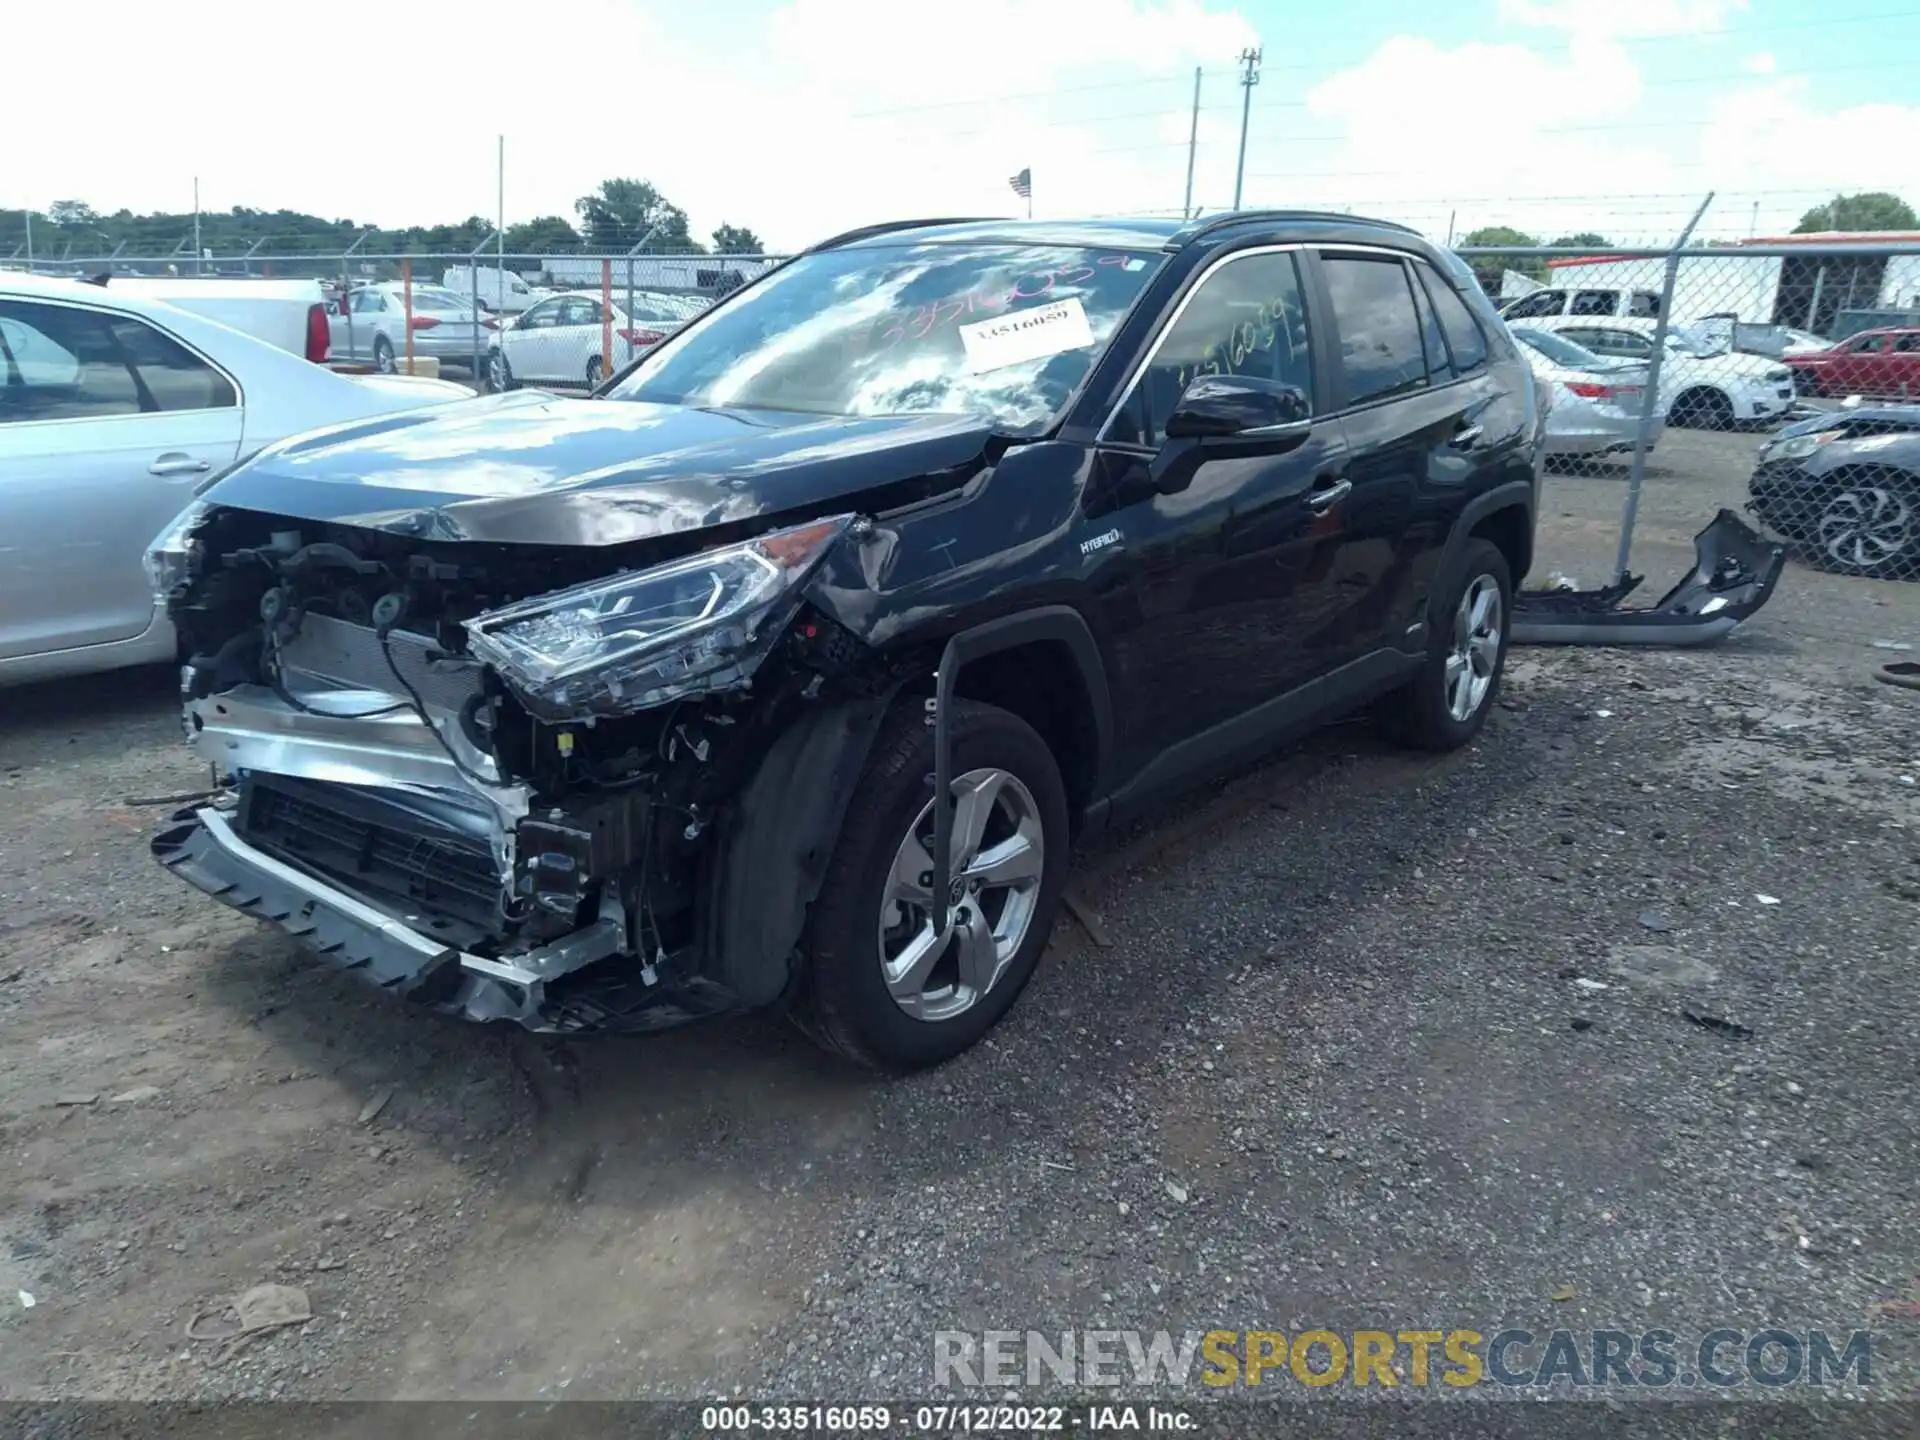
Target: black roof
x=1119, y=232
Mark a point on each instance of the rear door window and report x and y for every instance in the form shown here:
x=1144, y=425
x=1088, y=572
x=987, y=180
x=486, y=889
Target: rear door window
x=1464, y=336
x=1380, y=350
x=1595, y=302
x=1643, y=305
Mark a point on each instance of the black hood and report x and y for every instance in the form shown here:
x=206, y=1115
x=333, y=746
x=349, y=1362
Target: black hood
x=537, y=470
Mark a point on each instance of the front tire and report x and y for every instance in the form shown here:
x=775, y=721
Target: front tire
x=1446, y=703
x=1870, y=525
x=880, y=987
x=1703, y=408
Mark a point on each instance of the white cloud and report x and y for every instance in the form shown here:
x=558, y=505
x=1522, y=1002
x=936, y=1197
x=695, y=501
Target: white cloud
x=1623, y=19
x=768, y=124
x=1570, y=136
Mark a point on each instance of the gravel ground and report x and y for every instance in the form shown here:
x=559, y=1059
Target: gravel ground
x=1333, y=1065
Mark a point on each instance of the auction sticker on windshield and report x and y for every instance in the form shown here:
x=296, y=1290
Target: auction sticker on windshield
x=1027, y=335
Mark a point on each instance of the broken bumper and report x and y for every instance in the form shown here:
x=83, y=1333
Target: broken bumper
x=541, y=990
x=1734, y=573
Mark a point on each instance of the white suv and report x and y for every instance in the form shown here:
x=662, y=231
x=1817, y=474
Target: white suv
x=1711, y=391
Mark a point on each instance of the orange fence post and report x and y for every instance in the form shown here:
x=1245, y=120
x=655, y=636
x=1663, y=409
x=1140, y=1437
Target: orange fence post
x=406, y=286
x=606, y=318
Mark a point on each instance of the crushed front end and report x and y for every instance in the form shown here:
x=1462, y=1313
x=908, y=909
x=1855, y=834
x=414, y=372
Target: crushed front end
x=504, y=780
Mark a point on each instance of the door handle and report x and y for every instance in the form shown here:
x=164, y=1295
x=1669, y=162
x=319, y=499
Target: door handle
x=1328, y=491
x=174, y=463
x=1467, y=436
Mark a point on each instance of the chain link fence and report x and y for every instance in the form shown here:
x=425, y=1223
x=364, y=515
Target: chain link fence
x=1779, y=376
x=497, y=319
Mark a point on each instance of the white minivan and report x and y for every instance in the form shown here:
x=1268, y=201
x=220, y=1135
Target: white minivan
x=1598, y=300
x=500, y=291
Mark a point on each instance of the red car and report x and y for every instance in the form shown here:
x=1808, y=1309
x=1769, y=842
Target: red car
x=1874, y=362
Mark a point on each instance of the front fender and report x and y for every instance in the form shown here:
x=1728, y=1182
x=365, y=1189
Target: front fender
x=774, y=844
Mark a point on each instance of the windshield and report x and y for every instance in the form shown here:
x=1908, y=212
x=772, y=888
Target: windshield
x=999, y=330
x=1559, y=349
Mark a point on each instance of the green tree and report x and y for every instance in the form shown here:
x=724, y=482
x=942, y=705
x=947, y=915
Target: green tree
x=1585, y=238
x=1869, y=210
x=1487, y=268
x=622, y=213
x=547, y=232
x=737, y=240
x=75, y=214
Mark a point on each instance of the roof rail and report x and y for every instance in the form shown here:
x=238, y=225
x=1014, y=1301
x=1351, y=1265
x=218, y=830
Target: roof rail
x=1235, y=217
x=889, y=226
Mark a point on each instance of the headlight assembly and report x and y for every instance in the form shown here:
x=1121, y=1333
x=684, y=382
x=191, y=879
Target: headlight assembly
x=169, y=559
x=1798, y=447
x=651, y=636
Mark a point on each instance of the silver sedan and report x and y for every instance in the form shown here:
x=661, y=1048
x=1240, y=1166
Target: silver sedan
x=1596, y=400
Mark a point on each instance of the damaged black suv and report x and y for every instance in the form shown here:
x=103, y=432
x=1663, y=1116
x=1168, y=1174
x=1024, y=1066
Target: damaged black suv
x=788, y=667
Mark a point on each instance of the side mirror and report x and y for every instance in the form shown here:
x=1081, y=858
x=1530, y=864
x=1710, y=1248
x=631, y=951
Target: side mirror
x=1225, y=406
x=1231, y=415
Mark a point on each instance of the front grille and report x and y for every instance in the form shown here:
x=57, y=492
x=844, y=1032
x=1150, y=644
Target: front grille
x=376, y=847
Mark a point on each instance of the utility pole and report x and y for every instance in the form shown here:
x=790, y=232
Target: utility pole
x=1249, y=77
x=29, y=214
x=196, y=224
x=500, y=224
x=1193, y=143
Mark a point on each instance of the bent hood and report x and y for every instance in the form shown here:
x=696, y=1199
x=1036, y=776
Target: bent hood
x=532, y=469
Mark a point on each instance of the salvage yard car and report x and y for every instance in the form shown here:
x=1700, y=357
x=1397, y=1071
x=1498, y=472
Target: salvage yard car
x=1845, y=484
x=1704, y=388
x=788, y=670
x=113, y=406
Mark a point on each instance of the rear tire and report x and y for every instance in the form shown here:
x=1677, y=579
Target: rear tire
x=594, y=372
x=383, y=355
x=1469, y=620
x=868, y=919
x=1703, y=408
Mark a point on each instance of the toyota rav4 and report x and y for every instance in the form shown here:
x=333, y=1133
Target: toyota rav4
x=787, y=668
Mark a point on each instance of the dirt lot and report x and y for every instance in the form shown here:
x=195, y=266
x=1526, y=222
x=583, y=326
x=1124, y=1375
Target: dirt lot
x=1333, y=1065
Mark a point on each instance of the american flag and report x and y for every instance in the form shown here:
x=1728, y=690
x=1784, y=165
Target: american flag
x=1022, y=183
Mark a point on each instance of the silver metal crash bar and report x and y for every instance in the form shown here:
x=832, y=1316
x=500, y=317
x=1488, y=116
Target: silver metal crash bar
x=583, y=947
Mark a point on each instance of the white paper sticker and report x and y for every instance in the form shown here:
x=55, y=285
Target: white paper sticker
x=1026, y=335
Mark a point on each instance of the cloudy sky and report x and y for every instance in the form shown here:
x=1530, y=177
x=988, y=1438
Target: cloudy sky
x=802, y=117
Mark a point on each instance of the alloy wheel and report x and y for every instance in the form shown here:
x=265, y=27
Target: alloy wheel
x=1477, y=623
x=1865, y=527
x=999, y=854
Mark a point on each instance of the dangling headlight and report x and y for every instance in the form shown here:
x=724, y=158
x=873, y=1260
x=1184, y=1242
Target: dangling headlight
x=169, y=559
x=651, y=636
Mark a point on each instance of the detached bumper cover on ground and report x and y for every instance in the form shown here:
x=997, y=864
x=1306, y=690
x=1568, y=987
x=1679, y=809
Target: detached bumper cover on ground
x=1734, y=572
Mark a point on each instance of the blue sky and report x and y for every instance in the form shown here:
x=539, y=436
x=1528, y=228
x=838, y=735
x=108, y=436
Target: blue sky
x=799, y=117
